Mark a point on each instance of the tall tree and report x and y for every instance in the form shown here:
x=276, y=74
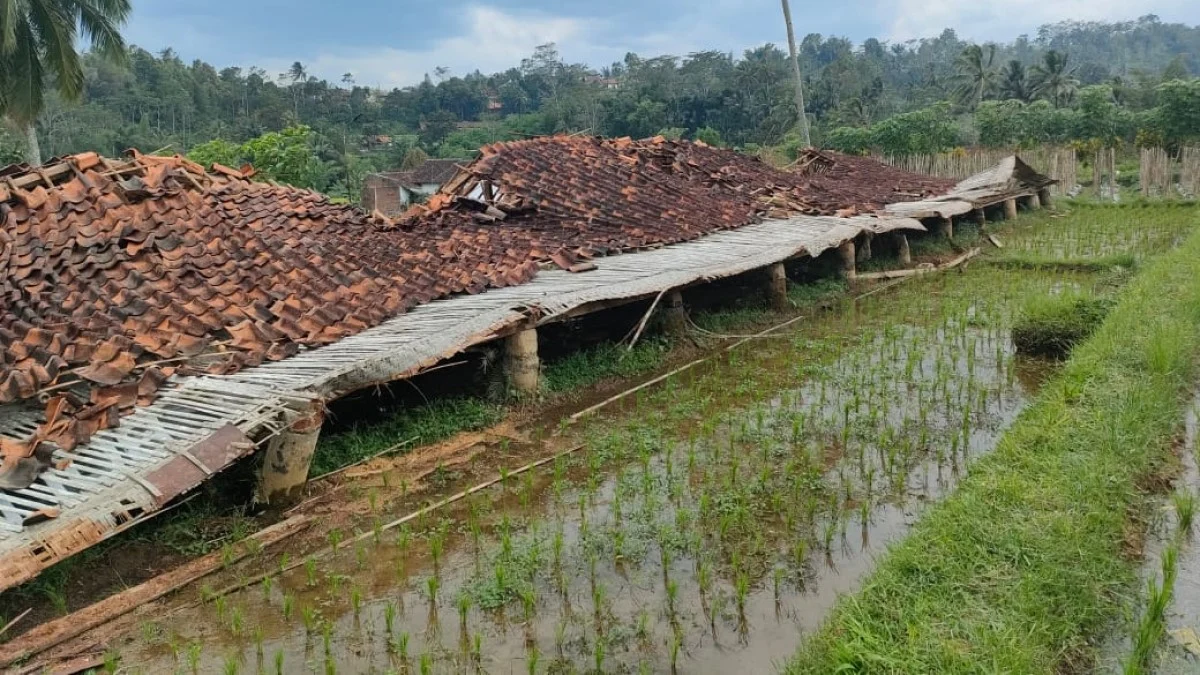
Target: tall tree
x=787, y=19
x=298, y=74
x=40, y=38
x=1054, y=78
x=1014, y=82
x=975, y=74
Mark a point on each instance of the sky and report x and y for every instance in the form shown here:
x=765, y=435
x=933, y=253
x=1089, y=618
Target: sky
x=389, y=43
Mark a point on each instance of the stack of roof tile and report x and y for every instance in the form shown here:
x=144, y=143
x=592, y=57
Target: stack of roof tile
x=114, y=276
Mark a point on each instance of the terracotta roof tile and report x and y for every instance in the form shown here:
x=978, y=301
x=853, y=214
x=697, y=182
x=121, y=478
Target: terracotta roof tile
x=122, y=273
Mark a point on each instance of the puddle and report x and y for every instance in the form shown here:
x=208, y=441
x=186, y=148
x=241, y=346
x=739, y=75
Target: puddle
x=1170, y=658
x=705, y=525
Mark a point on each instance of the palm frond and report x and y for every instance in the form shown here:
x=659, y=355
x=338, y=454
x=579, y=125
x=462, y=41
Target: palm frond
x=55, y=28
x=21, y=77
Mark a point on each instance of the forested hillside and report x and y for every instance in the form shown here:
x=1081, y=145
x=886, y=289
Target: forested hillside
x=1070, y=81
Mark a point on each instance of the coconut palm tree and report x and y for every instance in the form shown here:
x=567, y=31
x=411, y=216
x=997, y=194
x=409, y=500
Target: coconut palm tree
x=976, y=77
x=1054, y=78
x=298, y=74
x=1014, y=82
x=40, y=38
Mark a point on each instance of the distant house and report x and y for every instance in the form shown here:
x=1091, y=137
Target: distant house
x=377, y=140
x=494, y=103
x=600, y=80
x=391, y=192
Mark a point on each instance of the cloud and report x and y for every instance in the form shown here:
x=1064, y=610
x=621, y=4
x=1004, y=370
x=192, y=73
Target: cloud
x=1002, y=20
x=492, y=40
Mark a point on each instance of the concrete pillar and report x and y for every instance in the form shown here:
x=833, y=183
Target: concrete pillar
x=980, y=217
x=1032, y=202
x=849, y=271
x=521, y=362
x=675, y=316
x=948, y=228
x=1044, y=197
x=864, y=250
x=903, y=253
x=777, y=287
x=1010, y=209
x=288, y=457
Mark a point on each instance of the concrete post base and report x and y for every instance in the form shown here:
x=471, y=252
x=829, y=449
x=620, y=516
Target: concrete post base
x=1044, y=197
x=1033, y=202
x=675, y=316
x=864, y=249
x=849, y=269
x=288, y=458
x=521, y=362
x=947, y=228
x=903, y=253
x=777, y=287
x=980, y=217
x=1010, y=209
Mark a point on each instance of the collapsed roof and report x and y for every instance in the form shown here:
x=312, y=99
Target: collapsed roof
x=117, y=275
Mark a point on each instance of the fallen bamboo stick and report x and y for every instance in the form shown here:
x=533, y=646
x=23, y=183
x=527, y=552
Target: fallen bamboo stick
x=53, y=633
x=900, y=274
x=12, y=623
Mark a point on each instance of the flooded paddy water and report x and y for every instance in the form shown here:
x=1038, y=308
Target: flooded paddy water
x=704, y=525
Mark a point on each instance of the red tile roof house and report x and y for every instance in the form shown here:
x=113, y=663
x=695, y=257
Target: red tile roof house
x=161, y=321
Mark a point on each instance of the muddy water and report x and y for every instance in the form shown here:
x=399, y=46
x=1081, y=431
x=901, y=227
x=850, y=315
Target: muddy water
x=702, y=527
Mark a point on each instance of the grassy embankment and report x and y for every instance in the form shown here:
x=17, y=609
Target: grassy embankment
x=1029, y=558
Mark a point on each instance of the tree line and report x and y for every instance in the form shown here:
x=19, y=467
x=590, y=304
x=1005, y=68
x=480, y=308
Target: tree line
x=1069, y=81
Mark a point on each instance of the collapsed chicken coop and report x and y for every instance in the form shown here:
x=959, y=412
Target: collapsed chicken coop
x=163, y=321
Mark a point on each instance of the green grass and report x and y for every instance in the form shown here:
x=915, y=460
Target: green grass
x=1050, y=325
x=427, y=424
x=1022, y=567
x=1027, y=261
x=588, y=366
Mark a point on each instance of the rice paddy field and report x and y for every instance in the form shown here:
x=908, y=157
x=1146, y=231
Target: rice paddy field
x=708, y=524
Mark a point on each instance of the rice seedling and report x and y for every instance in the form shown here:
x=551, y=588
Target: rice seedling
x=1185, y=511
x=309, y=616
x=288, y=607
x=195, y=650
x=1153, y=626
x=401, y=647
x=310, y=571
x=389, y=618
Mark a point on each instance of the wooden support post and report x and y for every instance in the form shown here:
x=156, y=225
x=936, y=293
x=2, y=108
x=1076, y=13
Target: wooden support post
x=1032, y=202
x=521, y=362
x=981, y=218
x=1044, y=197
x=864, y=250
x=288, y=458
x=676, y=316
x=948, y=228
x=902, y=250
x=849, y=271
x=777, y=287
x=1010, y=208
